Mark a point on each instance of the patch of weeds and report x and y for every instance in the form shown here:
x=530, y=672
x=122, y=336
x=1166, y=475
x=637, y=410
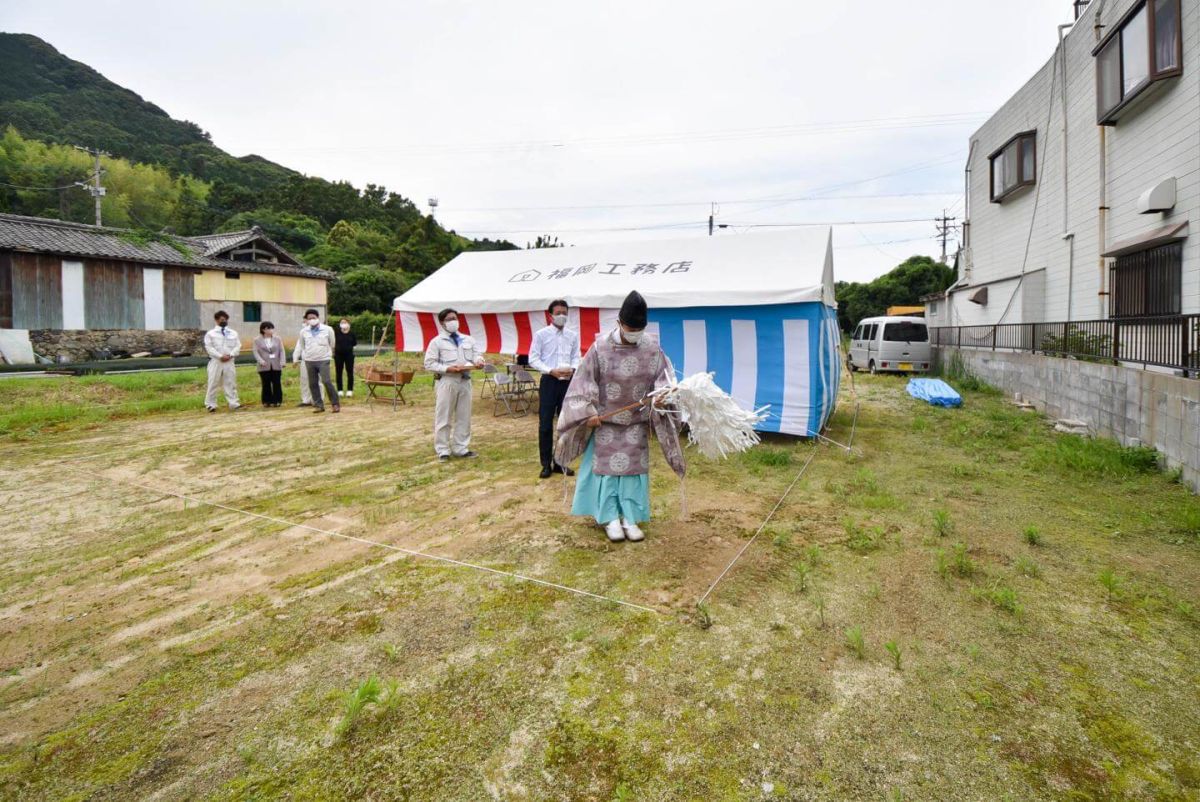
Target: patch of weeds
x=1186, y=522
x=893, y=649
x=1027, y=566
x=813, y=555
x=819, y=603
x=861, y=539
x=390, y=700
x=767, y=457
x=961, y=563
x=855, y=642
x=1111, y=582
x=1032, y=535
x=800, y=572
x=1094, y=457
x=782, y=540
x=622, y=793
x=367, y=693
x=942, y=525
x=1001, y=597
x=703, y=616
x=391, y=651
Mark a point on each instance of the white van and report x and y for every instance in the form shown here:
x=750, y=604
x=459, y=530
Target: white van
x=891, y=344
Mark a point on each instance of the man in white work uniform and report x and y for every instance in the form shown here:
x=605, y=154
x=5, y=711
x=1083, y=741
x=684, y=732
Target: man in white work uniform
x=222, y=345
x=450, y=357
x=555, y=355
x=298, y=358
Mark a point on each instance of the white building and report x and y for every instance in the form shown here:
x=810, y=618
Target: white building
x=1083, y=194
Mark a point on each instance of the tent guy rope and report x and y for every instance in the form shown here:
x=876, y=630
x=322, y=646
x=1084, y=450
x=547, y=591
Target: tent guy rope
x=389, y=546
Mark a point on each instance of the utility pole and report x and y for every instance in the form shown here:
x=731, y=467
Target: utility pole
x=711, y=212
x=94, y=189
x=944, y=227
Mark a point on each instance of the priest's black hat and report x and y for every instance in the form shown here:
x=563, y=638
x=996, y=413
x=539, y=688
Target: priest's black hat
x=633, y=311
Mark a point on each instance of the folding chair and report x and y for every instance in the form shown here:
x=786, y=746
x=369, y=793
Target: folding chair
x=525, y=383
x=505, y=393
x=489, y=370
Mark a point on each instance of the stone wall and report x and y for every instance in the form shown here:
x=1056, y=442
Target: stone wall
x=82, y=345
x=1132, y=405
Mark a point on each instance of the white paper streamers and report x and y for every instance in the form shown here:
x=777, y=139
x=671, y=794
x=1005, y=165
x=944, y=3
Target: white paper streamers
x=716, y=424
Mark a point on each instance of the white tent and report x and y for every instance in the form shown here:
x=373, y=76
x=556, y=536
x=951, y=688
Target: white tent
x=757, y=309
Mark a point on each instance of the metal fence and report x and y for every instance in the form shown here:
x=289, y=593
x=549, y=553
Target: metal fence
x=1169, y=342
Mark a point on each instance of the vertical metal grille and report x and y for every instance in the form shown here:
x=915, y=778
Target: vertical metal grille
x=1147, y=283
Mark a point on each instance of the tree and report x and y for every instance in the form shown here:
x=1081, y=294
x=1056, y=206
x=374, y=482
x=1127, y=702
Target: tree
x=368, y=288
x=904, y=284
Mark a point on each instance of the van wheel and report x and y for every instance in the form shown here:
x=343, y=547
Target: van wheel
x=871, y=367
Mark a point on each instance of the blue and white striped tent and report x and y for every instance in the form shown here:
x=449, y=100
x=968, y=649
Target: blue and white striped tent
x=756, y=310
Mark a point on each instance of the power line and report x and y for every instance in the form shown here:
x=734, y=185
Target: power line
x=39, y=189
x=695, y=224
x=945, y=225
x=665, y=204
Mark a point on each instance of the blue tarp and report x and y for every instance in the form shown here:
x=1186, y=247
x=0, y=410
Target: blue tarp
x=935, y=391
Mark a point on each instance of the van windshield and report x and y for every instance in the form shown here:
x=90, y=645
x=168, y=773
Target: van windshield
x=905, y=332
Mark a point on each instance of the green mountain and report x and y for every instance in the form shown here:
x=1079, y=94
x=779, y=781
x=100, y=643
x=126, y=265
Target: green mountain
x=47, y=96
x=166, y=175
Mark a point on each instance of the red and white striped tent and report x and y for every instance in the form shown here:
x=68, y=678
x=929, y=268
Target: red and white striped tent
x=501, y=296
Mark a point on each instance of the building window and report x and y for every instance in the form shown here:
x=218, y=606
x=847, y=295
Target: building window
x=232, y=274
x=1146, y=283
x=1014, y=165
x=252, y=311
x=1146, y=46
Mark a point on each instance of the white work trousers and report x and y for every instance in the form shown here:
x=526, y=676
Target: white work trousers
x=305, y=393
x=452, y=401
x=221, y=375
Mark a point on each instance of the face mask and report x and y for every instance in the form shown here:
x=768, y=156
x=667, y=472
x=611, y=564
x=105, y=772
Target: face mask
x=560, y=320
x=314, y=321
x=267, y=335
x=451, y=326
x=345, y=327
x=632, y=337
x=222, y=323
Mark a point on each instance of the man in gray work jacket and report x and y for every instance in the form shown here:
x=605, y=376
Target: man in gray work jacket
x=450, y=357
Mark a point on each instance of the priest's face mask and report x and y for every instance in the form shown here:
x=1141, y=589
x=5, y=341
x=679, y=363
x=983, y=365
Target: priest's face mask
x=631, y=336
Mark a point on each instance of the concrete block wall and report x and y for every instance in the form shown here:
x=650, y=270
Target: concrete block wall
x=1135, y=406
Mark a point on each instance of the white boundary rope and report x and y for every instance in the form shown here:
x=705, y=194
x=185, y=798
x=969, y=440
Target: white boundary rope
x=402, y=550
x=762, y=526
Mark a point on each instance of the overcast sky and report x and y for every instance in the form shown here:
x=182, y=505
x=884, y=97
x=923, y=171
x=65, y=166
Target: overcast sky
x=636, y=114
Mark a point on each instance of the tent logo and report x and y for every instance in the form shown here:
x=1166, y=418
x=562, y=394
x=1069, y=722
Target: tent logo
x=526, y=275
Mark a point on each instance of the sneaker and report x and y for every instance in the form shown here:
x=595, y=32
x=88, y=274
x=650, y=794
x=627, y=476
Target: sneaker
x=211, y=409
x=349, y=393
x=443, y=457
x=633, y=532
x=614, y=531
x=341, y=394
x=469, y=455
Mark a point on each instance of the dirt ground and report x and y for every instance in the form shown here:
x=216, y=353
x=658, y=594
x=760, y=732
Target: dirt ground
x=155, y=646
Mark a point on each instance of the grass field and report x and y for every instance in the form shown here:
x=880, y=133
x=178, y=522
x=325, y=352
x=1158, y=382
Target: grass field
x=968, y=606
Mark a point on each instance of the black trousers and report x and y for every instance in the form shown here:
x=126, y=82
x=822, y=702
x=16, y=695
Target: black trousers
x=272, y=386
x=344, y=362
x=550, y=395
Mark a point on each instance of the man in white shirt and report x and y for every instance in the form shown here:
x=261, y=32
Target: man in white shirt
x=555, y=354
x=298, y=359
x=450, y=357
x=222, y=345
x=316, y=348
